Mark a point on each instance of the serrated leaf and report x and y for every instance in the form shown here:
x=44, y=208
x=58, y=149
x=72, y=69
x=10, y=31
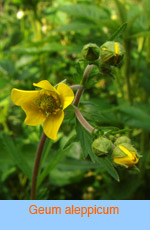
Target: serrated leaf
x=85, y=139
x=104, y=162
x=18, y=159
x=117, y=33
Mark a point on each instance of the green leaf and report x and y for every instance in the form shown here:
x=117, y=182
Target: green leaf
x=85, y=139
x=71, y=140
x=53, y=47
x=140, y=34
x=14, y=154
x=73, y=164
x=136, y=113
x=84, y=11
x=3, y=82
x=54, y=159
x=24, y=61
x=137, y=117
x=122, y=10
x=62, y=178
x=7, y=67
x=104, y=162
x=75, y=26
x=117, y=33
x=7, y=173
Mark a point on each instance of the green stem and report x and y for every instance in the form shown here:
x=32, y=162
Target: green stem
x=37, y=166
x=78, y=114
x=139, y=59
x=128, y=70
x=80, y=91
x=118, y=77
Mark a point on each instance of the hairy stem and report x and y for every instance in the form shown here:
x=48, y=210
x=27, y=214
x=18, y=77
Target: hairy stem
x=83, y=122
x=78, y=114
x=80, y=91
x=74, y=87
x=37, y=165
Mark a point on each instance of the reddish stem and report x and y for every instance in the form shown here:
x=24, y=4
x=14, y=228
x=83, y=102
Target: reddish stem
x=37, y=166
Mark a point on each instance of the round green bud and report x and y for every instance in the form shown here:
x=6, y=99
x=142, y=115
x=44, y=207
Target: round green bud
x=90, y=52
x=122, y=139
x=111, y=53
x=101, y=146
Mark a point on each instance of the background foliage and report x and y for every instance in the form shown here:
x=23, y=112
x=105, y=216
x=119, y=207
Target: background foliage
x=43, y=40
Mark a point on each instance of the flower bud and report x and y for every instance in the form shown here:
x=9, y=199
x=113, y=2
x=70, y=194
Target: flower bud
x=122, y=139
x=125, y=154
x=90, y=52
x=101, y=146
x=111, y=53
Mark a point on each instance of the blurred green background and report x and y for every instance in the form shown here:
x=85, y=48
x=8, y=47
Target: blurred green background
x=43, y=40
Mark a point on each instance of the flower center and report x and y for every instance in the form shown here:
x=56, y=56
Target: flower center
x=49, y=102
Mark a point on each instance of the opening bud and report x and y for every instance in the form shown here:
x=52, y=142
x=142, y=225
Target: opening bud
x=111, y=53
x=101, y=146
x=90, y=52
x=125, y=154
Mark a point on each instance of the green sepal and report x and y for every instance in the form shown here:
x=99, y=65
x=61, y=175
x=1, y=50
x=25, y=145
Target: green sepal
x=109, y=55
x=136, y=168
x=121, y=165
x=122, y=139
x=118, y=152
x=90, y=52
x=101, y=146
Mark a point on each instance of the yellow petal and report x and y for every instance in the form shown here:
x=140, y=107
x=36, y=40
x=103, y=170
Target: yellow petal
x=34, y=115
x=45, y=85
x=19, y=97
x=52, y=125
x=126, y=161
x=126, y=151
x=66, y=94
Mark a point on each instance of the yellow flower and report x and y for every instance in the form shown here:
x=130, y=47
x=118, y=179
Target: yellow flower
x=125, y=154
x=44, y=106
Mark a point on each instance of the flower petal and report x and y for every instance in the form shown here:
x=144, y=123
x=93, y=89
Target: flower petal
x=52, y=124
x=126, y=161
x=19, y=97
x=126, y=151
x=66, y=94
x=35, y=116
x=45, y=85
